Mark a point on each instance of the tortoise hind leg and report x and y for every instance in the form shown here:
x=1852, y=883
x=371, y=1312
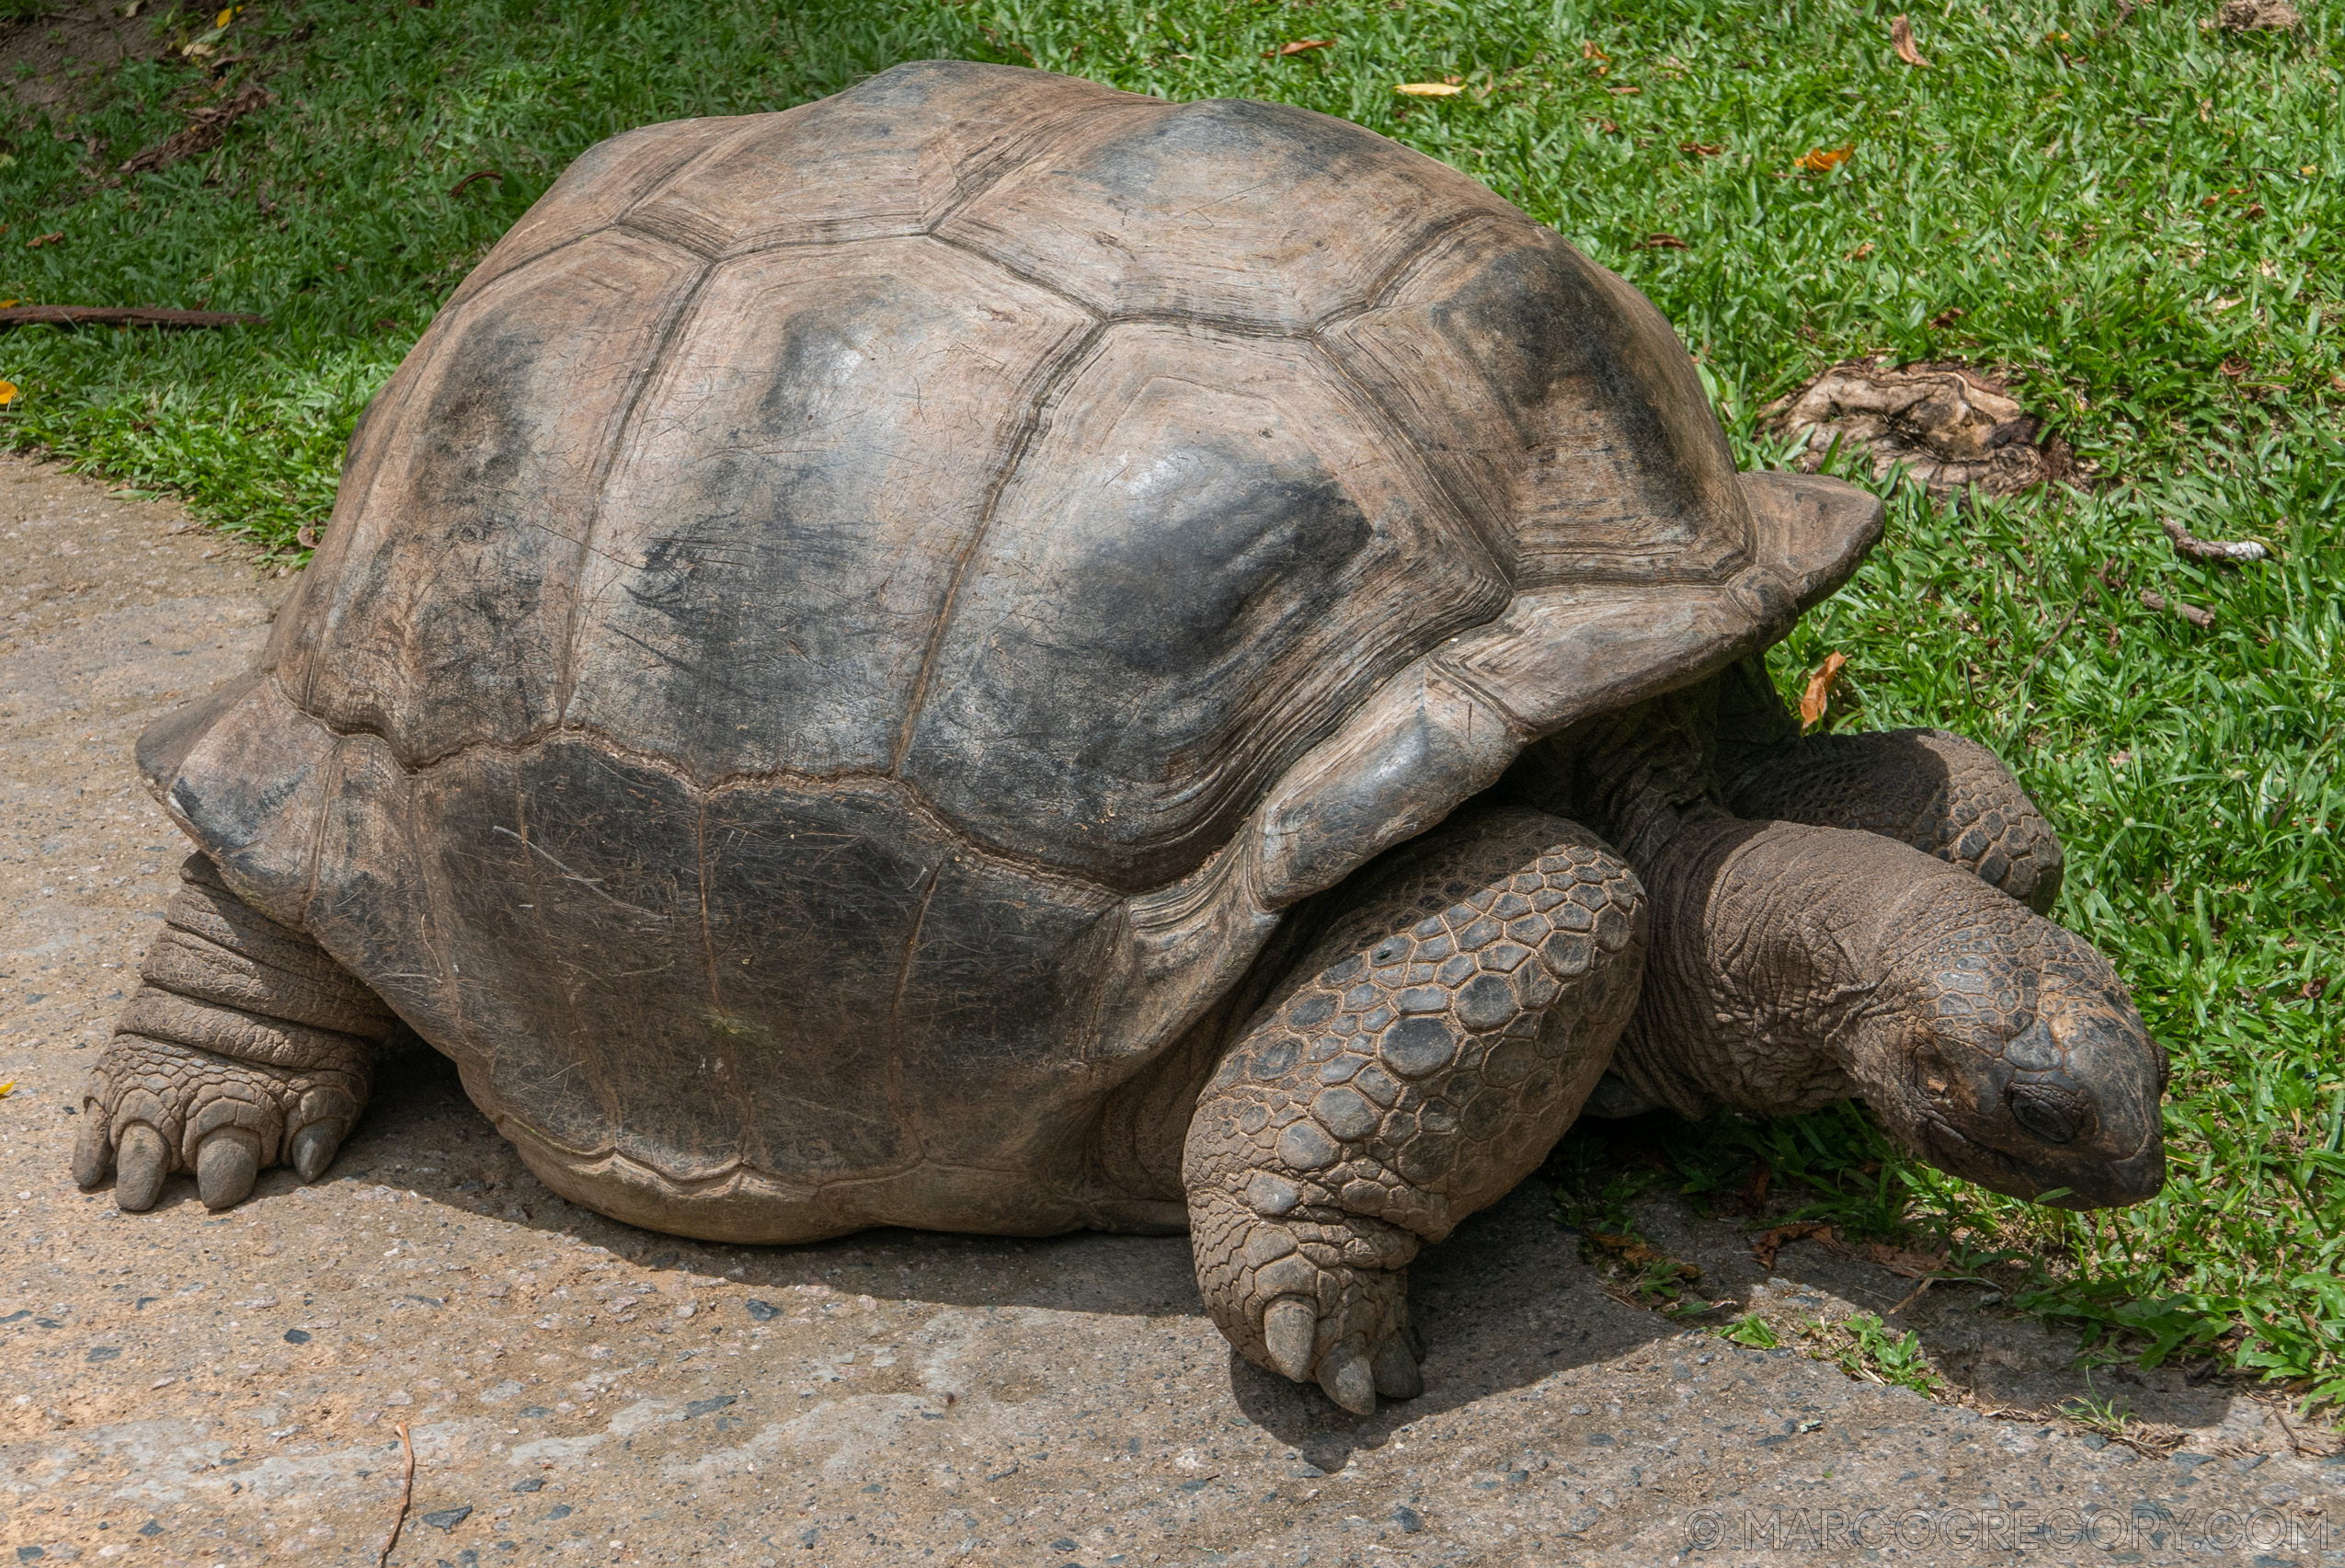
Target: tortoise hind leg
x=246, y=1046
x=1418, y=1061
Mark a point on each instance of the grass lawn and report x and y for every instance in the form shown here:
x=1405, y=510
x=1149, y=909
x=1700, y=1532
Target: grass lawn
x=2139, y=216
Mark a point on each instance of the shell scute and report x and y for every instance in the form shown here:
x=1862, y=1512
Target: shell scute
x=1226, y=210
x=888, y=159
x=440, y=612
x=779, y=537
x=1557, y=405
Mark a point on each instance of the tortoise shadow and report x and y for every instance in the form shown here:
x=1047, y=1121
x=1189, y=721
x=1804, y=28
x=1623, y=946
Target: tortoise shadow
x=1506, y=1303
x=1503, y=1303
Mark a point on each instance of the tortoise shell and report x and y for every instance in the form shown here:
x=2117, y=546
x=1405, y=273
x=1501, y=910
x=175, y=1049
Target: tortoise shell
x=844, y=636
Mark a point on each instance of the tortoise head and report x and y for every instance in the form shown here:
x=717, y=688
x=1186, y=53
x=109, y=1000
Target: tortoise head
x=2003, y=1049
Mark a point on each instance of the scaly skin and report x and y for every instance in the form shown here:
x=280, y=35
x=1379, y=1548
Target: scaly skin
x=248, y=1046
x=1793, y=966
x=1943, y=794
x=1422, y=1059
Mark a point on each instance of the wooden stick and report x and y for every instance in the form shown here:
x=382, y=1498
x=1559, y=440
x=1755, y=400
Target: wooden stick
x=407, y=1495
x=121, y=316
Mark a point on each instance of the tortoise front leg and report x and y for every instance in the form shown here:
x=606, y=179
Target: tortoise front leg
x=1419, y=1061
x=246, y=1046
x=1943, y=794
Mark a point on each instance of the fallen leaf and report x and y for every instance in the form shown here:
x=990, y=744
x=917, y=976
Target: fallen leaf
x=225, y=17
x=1945, y=318
x=204, y=132
x=1428, y=89
x=1767, y=1243
x=1605, y=126
x=306, y=537
x=1901, y=34
x=1300, y=46
x=1700, y=149
x=10, y=1087
x=1819, y=692
x=1637, y=1253
x=1588, y=51
x=1906, y=1262
x=1824, y=160
x=1661, y=242
x=198, y=51
x=57, y=238
x=1861, y=251
x=7, y=396
x=1624, y=92
x=6, y=304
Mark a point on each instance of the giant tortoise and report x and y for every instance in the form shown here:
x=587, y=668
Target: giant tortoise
x=993, y=654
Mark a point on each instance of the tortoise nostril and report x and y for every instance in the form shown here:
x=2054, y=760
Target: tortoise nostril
x=2035, y=1048
x=2055, y=1116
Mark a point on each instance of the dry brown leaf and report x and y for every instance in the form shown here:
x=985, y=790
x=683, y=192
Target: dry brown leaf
x=1428, y=89
x=1947, y=318
x=1661, y=242
x=1861, y=251
x=1767, y=1243
x=1300, y=46
x=1638, y=1254
x=1824, y=160
x=1700, y=149
x=1906, y=1262
x=204, y=132
x=40, y=240
x=1818, y=695
x=1901, y=34
x=1588, y=51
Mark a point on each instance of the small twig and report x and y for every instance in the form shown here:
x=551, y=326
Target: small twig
x=457, y=188
x=1916, y=1296
x=2295, y=1442
x=121, y=316
x=2202, y=619
x=407, y=1495
x=2197, y=549
x=2045, y=646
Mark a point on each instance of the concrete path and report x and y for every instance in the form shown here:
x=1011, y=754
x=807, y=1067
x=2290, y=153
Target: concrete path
x=177, y=1387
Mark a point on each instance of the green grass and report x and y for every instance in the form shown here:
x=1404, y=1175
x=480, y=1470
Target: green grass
x=2139, y=216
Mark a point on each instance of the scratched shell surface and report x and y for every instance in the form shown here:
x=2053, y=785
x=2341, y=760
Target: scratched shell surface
x=840, y=642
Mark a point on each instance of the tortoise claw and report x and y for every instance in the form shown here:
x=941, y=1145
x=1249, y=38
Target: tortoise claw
x=1344, y=1375
x=226, y=1165
x=1289, y=1325
x=92, y=1158
x=140, y=1161
x=313, y=1148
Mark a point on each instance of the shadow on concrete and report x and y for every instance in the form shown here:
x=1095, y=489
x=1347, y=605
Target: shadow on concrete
x=1503, y=1303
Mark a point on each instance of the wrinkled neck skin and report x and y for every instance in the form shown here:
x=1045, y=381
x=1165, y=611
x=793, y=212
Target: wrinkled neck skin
x=1790, y=966
x=1768, y=985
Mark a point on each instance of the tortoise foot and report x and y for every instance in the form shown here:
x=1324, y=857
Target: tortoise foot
x=245, y=1047
x=1420, y=1059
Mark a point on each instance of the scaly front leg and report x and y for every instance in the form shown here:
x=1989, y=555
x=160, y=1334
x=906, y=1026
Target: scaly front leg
x=1420, y=1059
